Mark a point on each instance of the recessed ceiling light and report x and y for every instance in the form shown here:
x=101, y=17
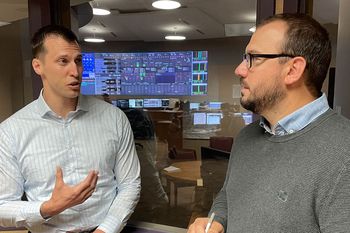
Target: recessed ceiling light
x=166, y=4
x=252, y=29
x=175, y=37
x=94, y=40
x=100, y=11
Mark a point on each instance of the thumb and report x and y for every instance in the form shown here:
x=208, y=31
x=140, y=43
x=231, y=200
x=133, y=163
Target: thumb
x=59, y=175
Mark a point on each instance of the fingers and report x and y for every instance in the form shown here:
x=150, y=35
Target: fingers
x=59, y=175
x=198, y=226
x=89, y=183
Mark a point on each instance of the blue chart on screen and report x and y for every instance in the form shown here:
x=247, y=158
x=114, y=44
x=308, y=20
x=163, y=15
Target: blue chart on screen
x=182, y=73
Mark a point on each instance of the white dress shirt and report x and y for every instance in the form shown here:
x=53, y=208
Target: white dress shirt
x=97, y=136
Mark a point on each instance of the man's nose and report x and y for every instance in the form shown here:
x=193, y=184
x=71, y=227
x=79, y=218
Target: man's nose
x=241, y=70
x=75, y=69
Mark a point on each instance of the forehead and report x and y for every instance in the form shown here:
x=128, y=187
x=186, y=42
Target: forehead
x=55, y=44
x=268, y=38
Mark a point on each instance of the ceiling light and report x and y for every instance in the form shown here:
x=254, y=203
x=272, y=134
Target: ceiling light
x=94, y=40
x=252, y=29
x=100, y=11
x=175, y=37
x=166, y=4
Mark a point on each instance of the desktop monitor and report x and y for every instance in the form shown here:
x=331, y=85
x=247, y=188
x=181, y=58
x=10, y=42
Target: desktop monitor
x=214, y=118
x=247, y=117
x=199, y=118
x=152, y=103
x=194, y=106
x=164, y=103
x=123, y=103
x=135, y=103
x=214, y=105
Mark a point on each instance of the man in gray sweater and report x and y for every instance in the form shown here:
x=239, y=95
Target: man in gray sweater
x=290, y=171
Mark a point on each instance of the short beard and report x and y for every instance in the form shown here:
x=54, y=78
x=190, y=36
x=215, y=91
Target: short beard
x=259, y=104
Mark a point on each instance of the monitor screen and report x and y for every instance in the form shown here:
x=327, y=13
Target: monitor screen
x=194, y=106
x=152, y=103
x=214, y=118
x=135, y=103
x=123, y=104
x=199, y=118
x=247, y=117
x=182, y=73
x=164, y=103
x=214, y=105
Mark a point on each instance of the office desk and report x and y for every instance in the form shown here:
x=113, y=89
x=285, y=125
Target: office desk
x=188, y=175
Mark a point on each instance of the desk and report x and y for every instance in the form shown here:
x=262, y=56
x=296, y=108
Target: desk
x=189, y=175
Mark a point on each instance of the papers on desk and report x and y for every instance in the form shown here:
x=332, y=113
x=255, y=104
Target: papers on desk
x=172, y=169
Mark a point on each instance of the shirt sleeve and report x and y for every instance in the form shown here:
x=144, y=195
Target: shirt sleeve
x=13, y=211
x=127, y=174
x=335, y=211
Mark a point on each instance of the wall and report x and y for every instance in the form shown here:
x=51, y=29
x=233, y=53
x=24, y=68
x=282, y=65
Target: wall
x=12, y=94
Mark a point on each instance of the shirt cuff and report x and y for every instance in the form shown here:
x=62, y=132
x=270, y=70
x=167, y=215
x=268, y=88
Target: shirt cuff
x=111, y=225
x=31, y=213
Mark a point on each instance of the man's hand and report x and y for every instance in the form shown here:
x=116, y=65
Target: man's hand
x=98, y=231
x=65, y=196
x=199, y=226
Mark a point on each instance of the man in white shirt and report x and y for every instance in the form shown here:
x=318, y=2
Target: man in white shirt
x=73, y=155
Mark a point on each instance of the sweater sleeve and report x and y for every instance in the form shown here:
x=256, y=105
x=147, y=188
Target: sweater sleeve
x=219, y=206
x=335, y=211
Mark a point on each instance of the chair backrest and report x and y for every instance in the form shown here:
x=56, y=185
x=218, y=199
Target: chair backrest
x=182, y=154
x=221, y=143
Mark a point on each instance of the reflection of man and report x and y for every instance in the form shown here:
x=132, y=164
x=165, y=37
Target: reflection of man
x=285, y=174
x=230, y=124
x=72, y=155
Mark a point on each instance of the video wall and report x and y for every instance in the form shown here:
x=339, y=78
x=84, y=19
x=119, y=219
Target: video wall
x=182, y=73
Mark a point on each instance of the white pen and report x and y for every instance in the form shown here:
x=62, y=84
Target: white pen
x=209, y=222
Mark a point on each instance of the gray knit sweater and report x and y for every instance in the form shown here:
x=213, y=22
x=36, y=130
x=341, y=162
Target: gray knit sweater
x=299, y=183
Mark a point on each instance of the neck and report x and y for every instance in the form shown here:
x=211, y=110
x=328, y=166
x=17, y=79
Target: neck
x=61, y=106
x=291, y=103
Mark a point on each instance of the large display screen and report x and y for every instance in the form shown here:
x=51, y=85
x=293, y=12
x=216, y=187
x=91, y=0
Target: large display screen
x=182, y=73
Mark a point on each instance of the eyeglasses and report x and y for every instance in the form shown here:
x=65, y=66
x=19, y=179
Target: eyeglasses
x=249, y=57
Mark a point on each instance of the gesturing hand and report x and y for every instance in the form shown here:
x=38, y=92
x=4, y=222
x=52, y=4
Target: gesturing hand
x=65, y=196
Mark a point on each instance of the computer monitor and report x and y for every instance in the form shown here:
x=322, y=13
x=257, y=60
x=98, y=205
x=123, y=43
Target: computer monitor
x=135, y=103
x=194, y=106
x=214, y=105
x=214, y=118
x=247, y=117
x=152, y=103
x=199, y=118
x=165, y=103
x=123, y=103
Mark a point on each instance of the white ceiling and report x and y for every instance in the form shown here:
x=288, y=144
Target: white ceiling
x=137, y=20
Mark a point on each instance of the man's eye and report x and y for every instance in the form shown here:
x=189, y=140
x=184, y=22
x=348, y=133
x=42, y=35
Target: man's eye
x=78, y=61
x=62, y=61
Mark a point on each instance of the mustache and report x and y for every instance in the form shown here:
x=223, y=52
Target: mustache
x=243, y=84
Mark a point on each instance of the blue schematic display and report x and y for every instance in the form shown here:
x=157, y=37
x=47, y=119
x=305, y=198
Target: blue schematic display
x=182, y=73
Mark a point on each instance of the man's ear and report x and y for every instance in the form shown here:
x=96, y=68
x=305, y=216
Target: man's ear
x=36, y=64
x=296, y=70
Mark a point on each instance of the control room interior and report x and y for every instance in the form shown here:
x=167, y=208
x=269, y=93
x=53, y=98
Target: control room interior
x=183, y=140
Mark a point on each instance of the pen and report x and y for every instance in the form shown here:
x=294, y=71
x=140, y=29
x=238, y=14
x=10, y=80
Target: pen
x=209, y=222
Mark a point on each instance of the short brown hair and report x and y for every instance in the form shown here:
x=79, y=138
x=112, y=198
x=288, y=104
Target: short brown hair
x=40, y=36
x=307, y=38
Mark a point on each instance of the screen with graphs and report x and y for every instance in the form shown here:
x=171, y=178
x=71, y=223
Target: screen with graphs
x=182, y=73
